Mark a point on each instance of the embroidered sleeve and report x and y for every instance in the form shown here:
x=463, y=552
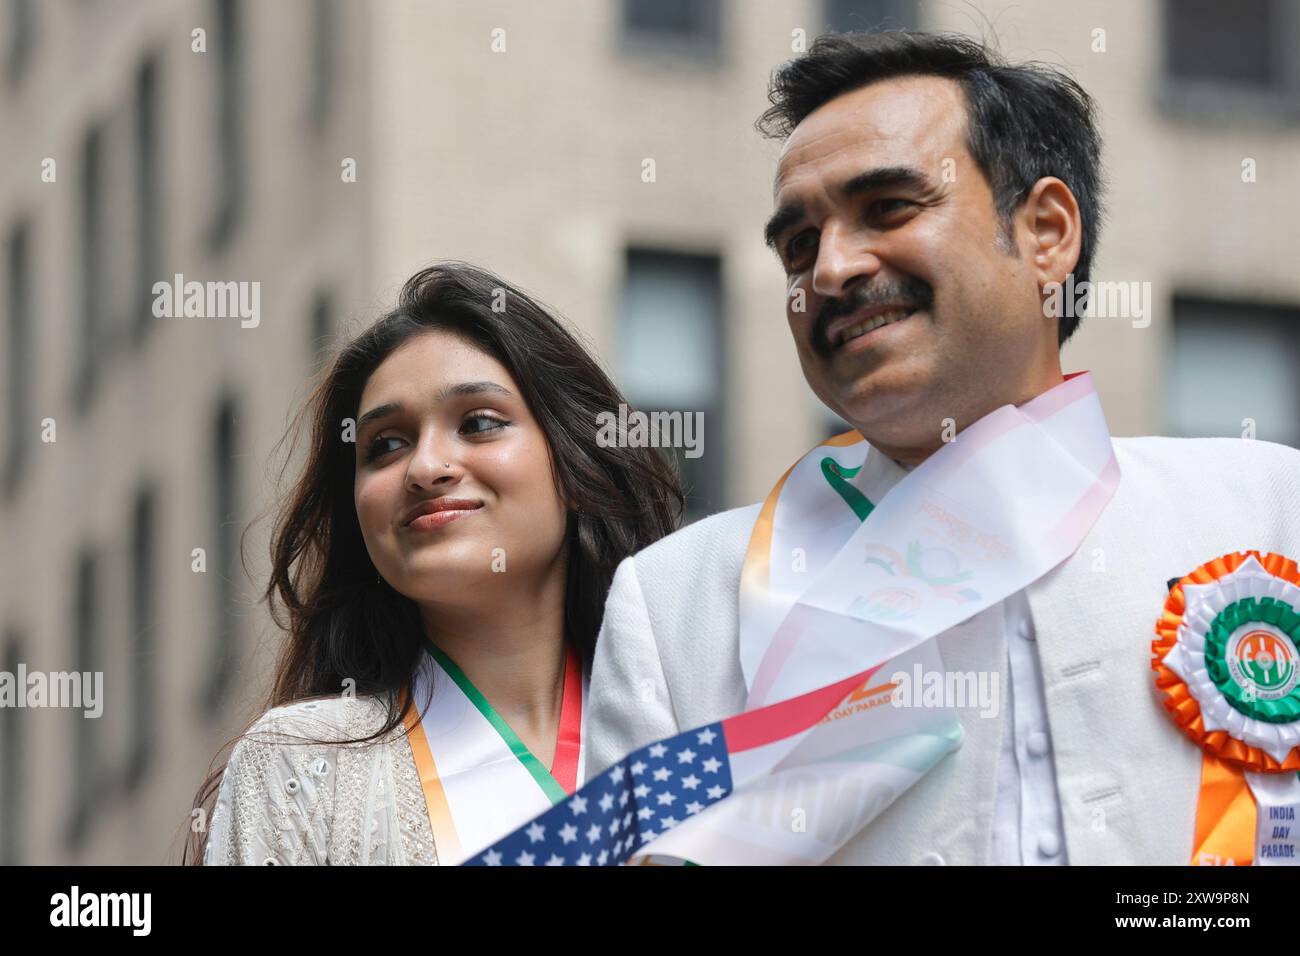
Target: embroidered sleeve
x=275, y=803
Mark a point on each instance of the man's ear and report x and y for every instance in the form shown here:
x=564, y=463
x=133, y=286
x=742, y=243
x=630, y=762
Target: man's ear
x=1051, y=230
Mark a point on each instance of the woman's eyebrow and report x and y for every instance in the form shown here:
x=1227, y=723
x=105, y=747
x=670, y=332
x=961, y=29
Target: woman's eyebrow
x=379, y=411
x=471, y=388
x=458, y=390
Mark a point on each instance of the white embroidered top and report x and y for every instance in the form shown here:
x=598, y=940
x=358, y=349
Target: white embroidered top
x=283, y=800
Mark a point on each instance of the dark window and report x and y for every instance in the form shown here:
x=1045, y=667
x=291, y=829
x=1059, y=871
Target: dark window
x=857, y=16
x=321, y=327
x=324, y=60
x=683, y=26
x=1232, y=59
x=1232, y=362
x=670, y=359
x=22, y=34
x=229, y=184
x=148, y=191
x=87, y=795
x=144, y=648
x=19, y=358
x=1210, y=40
x=223, y=558
x=11, y=764
x=93, y=285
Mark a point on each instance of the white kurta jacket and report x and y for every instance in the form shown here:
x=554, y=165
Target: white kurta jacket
x=285, y=802
x=668, y=660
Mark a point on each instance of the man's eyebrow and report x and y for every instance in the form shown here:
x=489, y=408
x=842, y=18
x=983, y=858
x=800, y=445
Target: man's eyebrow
x=887, y=177
x=781, y=220
x=450, y=391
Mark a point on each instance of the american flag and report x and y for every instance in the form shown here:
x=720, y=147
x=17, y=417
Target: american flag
x=641, y=797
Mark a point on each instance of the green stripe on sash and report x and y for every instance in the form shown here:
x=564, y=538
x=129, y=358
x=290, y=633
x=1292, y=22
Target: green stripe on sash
x=836, y=475
x=554, y=792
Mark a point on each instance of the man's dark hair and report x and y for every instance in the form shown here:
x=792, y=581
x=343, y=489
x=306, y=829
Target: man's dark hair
x=1023, y=122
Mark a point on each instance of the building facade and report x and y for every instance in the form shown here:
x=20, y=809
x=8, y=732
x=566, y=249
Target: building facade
x=600, y=154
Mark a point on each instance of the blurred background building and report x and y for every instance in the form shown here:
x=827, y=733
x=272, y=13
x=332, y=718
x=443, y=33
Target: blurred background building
x=519, y=136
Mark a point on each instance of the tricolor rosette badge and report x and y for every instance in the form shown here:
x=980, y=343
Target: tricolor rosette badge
x=1227, y=659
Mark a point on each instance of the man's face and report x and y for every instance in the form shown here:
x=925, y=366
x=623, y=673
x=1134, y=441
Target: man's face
x=881, y=212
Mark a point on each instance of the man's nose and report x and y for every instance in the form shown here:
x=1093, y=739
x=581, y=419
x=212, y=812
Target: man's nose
x=843, y=260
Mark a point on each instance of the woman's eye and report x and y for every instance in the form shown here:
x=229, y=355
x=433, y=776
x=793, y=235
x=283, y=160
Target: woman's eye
x=376, y=448
x=489, y=423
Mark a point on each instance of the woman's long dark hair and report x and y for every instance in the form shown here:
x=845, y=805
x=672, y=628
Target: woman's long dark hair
x=341, y=621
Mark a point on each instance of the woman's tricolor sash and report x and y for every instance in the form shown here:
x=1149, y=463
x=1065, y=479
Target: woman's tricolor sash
x=480, y=780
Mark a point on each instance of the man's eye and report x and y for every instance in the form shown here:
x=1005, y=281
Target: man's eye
x=798, y=249
x=888, y=207
x=490, y=423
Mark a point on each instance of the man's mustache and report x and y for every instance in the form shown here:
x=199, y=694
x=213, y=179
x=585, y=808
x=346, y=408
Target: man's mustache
x=912, y=293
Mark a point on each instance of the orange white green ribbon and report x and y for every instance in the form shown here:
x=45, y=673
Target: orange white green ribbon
x=480, y=780
x=1228, y=671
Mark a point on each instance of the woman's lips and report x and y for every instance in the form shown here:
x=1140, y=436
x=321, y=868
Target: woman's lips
x=438, y=519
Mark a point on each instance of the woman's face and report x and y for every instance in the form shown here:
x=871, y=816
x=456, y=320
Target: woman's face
x=441, y=423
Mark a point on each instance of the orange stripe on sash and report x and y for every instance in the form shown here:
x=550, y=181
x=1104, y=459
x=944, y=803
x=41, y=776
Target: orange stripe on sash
x=445, y=839
x=754, y=571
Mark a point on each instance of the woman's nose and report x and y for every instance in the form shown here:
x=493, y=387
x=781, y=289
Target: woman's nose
x=429, y=466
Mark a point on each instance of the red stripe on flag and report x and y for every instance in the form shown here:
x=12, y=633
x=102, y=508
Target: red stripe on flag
x=755, y=728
